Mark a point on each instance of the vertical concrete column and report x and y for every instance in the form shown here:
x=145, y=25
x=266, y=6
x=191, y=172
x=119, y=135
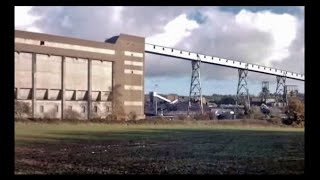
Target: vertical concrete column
x=63, y=72
x=89, y=87
x=17, y=92
x=48, y=94
x=34, y=84
x=75, y=95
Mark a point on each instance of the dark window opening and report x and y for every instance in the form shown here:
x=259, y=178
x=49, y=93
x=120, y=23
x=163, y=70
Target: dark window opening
x=180, y=52
x=57, y=108
x=41, y=43
x=107, y=108
x=95, y=109
x=41, y=108
x=163, y=49
x=83, y=109
x=154, y=46
x=171, y=50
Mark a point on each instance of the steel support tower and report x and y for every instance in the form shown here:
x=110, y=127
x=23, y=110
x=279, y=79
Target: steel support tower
x=195, y=94
x=281, y=95
x=242, y=90
x=265, y=90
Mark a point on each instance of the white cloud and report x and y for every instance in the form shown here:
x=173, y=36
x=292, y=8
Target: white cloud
x=117, y=12
x=23, y=20
x=174, y=31
x=282, y=27
x=258, y=37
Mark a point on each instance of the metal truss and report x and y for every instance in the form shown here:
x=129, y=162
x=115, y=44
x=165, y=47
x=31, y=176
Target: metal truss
x=195, y=94
x=281, y=95
x=242, y=90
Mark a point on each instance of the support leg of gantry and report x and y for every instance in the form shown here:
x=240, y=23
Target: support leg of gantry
x=195, y=94
x=281, y=95
x=242, y=89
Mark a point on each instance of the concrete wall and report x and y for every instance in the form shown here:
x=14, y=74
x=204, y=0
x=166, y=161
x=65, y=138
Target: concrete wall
x=48, y=71
x=78, y=74
x=101, y=75
x=48, y=109
x=131, y=66
x=23, y=70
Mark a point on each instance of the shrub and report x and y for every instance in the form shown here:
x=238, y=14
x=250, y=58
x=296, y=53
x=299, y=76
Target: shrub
x=71, y=115
x=182, y=117
x=212, y=116
x=51, y=114
x=275, y=120
x=111, y=117
x=204, y=116
x=255, y=113
x=295, y=111
x=132, y=116
x=21, y=109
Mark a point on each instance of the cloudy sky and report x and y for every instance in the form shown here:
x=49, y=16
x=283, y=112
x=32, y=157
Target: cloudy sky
x=271, y=36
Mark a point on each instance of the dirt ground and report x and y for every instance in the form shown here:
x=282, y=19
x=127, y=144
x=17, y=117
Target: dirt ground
x=83, y=149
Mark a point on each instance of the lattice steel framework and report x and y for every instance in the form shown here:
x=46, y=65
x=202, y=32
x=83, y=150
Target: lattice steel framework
x=281, y=95
x=195, y=94
x=242, y=90
x=265, y=90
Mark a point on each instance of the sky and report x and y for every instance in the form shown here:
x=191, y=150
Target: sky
x=266, y=35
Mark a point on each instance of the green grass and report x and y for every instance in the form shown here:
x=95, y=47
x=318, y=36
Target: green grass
x=193, y=148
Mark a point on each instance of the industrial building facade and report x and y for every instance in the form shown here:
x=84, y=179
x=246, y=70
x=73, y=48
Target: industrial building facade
x=57, y=75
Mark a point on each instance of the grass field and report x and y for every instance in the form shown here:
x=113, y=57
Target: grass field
x=92, y=148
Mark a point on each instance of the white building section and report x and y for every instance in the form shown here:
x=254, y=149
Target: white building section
x=131, y=71
x=64, y=46
x=167, y=51
x=135, y=54
x=130, y=87
x=133, y=63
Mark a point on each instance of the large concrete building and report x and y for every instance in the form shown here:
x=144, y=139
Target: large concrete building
x=57, y=75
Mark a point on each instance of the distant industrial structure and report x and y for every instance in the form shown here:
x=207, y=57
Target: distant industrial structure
x=57, y=75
